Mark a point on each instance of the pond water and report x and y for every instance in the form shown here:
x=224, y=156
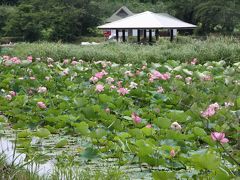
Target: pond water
x=46, y=156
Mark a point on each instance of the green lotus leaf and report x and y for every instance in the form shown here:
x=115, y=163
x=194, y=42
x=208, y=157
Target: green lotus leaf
x=42, y=133
x=61, y=143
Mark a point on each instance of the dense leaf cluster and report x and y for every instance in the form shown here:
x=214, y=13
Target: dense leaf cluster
x=172, y=134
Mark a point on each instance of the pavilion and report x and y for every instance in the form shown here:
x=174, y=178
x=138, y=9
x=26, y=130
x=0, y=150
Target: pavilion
x=146, y=22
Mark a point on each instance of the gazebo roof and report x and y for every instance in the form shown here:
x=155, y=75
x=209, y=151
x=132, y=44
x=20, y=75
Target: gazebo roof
x=121, y=13
x=148, y=20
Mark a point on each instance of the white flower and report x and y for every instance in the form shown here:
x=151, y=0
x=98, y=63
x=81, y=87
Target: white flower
x=42, y=89
x=47, y=78
x=160, y=89
x=65, y=71
x=128, y=73
x=49, y=60
x=8, y=97
x=109, y=80
x=188, y=80
x=128, y=65
x=133, y=85
x=228, y=104
x=176, y=126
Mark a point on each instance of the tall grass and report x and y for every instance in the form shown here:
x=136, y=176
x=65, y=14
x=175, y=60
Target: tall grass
x=211, y=49
x=18, y=172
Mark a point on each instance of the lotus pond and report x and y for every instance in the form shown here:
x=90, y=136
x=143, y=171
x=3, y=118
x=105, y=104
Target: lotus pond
x=148, y=120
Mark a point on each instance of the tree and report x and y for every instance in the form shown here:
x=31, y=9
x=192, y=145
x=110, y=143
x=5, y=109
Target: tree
x=52, y=19
x=218, y=15
x=9, y=2
x=4, y=16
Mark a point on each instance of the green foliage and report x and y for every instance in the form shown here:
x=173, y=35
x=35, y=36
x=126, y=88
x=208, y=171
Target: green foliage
x=6, y=11
x=97, y=126
x=218, y=16
x=56, y=20
x=51, y=20
x=89, y=153
x=42, y=133
x=61, y=143
x=164, y=175
x=210, y=50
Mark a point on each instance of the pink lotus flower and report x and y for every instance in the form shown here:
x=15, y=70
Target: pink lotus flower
x=148, y=126
x=12, y=93
x=99, y=88
x=74, y=63
x=160, y=89
x=128, y=73
x=93, y=79
x=214, y=106
x=172, y=153
x=158, y=75
x=65, y=61
x=41, y=105
x=206, y=78
x=16, y=60
x=188, y=80
x=194, y=61
x=113, y=87
x=219, y=136
x=30, y=58
x=178, y=76
x=208, y=112
x=42, y=89
x=151, y=79
x=8, y=97
x=6, y=57
x=119, y=84
x=65, y=71
x=109, y=80
x=211, y=110
x=104, y=72
x=122, y=91
x=136, y=118
x=165, y=76
x=99, y=75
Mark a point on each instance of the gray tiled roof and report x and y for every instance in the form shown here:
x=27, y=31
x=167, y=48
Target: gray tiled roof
x=120, y=14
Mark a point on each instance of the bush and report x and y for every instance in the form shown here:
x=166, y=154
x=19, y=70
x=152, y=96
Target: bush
x=212, y=49
x=6, y=40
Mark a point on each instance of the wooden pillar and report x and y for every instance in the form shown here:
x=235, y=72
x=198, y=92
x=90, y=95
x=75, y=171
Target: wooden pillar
x=138, y=35
x=171, y=35
x=117, y=35
x=150, y=35
x=145, y=34
x=157, y=34
x=123, y=35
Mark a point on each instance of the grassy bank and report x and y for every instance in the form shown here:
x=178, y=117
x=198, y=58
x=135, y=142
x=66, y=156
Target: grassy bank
x=212, y=49
x=18, y=172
